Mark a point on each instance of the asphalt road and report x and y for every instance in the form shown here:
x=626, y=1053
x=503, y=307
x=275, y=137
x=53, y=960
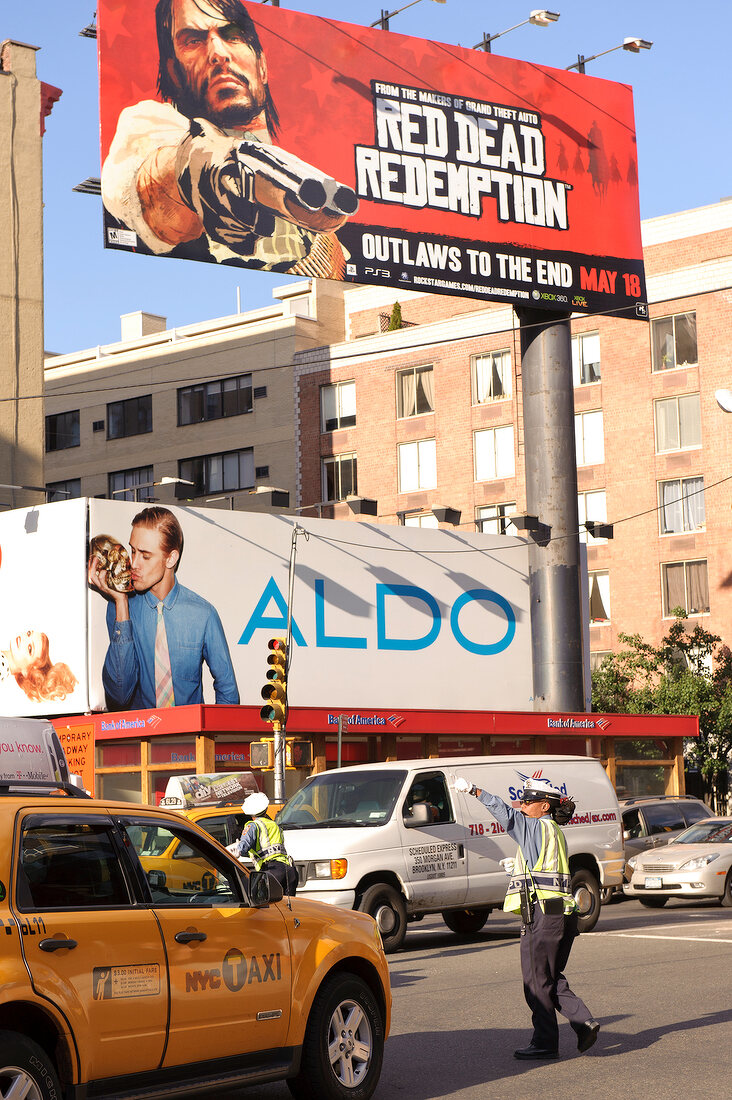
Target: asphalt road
x=657, y=980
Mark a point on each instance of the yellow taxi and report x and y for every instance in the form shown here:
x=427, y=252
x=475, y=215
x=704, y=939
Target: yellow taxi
x=116, y=983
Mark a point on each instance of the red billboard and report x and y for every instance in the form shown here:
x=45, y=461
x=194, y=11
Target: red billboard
x=264, y=138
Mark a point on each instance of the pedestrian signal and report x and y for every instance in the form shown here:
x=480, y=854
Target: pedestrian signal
x=298, y=754
x=274, y=691
x=261, y=754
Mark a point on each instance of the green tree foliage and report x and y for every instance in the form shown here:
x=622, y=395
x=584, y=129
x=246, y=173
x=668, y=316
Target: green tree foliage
x=690, y=672
x=395, y=321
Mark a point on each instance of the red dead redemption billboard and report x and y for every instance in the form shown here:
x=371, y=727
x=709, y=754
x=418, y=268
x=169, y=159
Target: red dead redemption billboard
x=242, y=134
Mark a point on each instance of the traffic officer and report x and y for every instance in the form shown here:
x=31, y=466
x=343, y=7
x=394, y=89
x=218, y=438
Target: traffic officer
x=264, y=842
x=539, y=891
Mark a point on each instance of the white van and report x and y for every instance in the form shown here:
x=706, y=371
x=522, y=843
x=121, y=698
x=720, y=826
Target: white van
x=395, y=840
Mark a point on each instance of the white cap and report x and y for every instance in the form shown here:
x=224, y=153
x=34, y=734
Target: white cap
x=536, y=790
x=255, y=804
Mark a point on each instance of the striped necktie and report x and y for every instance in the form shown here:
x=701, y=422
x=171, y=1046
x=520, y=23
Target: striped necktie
x=163, y=676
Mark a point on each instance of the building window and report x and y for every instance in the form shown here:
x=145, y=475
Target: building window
x=222, y=473
x=681, y=505
x=586, y=358
x=131, y=417
x=591, y=506
x=125, y=484
x=678, y=423
x=491, y=376
x=589, y=440
x=415, y=391
x=214, y=400
x=339, y=477
x=597, y=657
x=493, y=450
x=424, y=519
x=338, y=406
x=62, y=431
x=63, y=490
x=599, y=597
x=673, y=341
x=417, y=466
x=685, y=584
x=492, y=519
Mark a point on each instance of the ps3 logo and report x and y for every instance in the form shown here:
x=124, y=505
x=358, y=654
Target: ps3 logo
x=377, y=272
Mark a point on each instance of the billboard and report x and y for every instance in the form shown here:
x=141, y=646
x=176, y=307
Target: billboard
x=261, y=137
x=382, y=617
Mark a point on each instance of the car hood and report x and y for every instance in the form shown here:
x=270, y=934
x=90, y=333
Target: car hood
x=674, y=855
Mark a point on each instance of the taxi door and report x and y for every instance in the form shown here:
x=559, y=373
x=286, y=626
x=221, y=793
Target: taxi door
x=89, y=946
x=434, y=853
x=229, y=965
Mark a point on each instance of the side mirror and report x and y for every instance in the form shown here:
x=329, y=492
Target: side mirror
x=626, y=834
x=420, y=815
x=263, y=889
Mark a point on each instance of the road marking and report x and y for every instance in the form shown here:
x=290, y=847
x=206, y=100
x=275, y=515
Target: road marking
x=647, y=936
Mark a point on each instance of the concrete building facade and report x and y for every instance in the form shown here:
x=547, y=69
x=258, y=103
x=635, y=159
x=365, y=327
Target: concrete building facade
x=428, y=423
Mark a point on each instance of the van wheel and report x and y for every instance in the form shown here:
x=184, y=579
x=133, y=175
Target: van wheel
x=386, y=906
x=465, y=922
x=653, y=902
x=343, y=1047
x=26, y=1070
x=586, y=891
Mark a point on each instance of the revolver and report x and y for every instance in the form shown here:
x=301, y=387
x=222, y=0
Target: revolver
x=312, y=188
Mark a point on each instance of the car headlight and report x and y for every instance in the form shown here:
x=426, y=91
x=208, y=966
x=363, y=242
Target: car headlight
x=697, y=863
x=631, y=862
x=329, y=868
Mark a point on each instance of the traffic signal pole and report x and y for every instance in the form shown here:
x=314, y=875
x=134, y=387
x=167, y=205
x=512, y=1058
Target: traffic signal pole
x=280, y=728
x=551, y=494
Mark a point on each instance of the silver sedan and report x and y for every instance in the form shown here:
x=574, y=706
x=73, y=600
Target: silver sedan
x=697, y=865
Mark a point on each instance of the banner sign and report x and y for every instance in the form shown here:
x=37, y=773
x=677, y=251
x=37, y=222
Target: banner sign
x=30, y=749
x=265, y=138
x=186, y=792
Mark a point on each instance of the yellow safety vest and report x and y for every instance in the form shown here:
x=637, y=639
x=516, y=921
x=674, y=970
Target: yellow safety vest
x=268, y=844
x=549, y=877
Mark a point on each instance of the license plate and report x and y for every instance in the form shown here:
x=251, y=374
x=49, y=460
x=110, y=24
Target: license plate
x=654, y=883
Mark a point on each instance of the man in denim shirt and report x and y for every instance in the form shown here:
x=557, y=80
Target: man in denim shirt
x=193, y=628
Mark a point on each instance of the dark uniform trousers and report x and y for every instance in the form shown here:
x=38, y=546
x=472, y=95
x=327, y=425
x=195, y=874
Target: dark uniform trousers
x=545, y=949
x=285, y=874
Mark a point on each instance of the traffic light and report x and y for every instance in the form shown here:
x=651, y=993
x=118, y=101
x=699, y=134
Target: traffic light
x=275, y=690
x=298, y=754
x=261, y=754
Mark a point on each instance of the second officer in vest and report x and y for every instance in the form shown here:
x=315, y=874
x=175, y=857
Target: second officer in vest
x=539, y=891
x=264, y=842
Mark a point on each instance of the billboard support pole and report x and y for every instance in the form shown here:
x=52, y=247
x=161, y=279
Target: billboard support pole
x=551, y=494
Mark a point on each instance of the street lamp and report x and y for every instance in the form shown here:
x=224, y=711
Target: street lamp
x=150, y=485
x=633, y=45
x=540, y=17
x=38, y=489
x=383, y=20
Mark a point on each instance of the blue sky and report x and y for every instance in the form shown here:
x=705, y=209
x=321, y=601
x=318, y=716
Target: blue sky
x=681, y=90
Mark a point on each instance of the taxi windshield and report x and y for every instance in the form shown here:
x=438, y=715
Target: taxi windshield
x=707, y=832
x=343, y=800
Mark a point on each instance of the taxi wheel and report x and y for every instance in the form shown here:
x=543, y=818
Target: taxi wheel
x=386, y=906
x=26, y=1070
x=586, y=891
x=344, y=1043
x=465, y=922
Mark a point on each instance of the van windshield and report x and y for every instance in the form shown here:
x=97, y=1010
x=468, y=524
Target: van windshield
x=338, y=800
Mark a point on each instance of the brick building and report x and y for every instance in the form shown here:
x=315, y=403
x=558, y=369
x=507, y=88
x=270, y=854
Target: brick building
x=428, y=417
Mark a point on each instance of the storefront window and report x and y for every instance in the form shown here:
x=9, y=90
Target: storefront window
x=122, y=786
x=409, y=748
x=460, y=746
x=352, y=752
x=182, y=751
x=118, y=754
x=232, y=756
x=511, y=746
x=632, y=781
x=642, y=749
